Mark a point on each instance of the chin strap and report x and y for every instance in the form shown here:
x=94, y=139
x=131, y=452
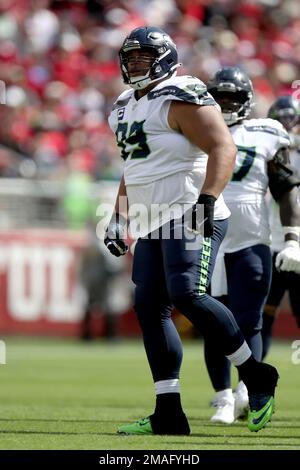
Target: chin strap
x=230, y=118
x=143, y=81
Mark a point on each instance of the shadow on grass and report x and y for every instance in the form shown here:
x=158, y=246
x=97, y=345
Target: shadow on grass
x=250, y=436
x=227, y=445
x=59, y=433
x=36, y=420
x=237, y=445
x=291, y=423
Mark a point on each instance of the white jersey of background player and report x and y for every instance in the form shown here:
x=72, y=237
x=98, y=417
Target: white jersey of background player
x=153, y=174
x=261, y=164
x=259, y=142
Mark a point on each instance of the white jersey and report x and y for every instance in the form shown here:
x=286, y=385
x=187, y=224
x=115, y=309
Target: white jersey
x=258, y=141
x=161, y=165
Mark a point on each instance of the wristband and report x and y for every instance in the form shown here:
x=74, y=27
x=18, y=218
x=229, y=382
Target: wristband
x=291, y=233
x=208, y=199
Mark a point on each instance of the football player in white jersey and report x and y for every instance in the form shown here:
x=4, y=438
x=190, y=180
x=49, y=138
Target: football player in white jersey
x=285, y=109
x=262, y=162
x=178, y=153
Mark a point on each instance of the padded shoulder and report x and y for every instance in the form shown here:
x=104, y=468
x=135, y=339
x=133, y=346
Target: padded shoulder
x=183, y=88
x=268, y=126
x=123, y=99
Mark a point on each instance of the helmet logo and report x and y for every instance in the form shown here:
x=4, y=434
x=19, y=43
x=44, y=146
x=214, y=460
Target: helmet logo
x=154, y=35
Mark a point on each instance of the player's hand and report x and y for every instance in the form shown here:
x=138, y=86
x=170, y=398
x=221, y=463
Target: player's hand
x=288, y=259
x=203, y=215
x=115, y=234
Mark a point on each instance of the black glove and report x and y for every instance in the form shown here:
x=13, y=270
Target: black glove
x=114, y=236
x=208, y=202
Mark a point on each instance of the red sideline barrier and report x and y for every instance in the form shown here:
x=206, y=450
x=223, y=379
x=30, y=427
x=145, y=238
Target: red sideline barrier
x=286, y=327
x=39, y=288
x=40, y=292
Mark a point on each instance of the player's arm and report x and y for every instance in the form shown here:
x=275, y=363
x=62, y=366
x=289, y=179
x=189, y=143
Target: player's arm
x=283, y=183
x=204, y=127
x=116, y=230
x=121, y=204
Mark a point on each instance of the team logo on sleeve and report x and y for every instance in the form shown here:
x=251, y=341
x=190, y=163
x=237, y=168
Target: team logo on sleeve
x=121, y=113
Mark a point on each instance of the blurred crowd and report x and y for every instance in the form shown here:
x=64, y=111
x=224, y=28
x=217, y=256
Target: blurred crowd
x=59, y=63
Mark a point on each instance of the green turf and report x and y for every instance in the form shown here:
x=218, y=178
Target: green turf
x=60, y=394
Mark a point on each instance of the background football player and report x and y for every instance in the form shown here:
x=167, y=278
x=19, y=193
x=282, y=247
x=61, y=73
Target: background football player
x=285, y=109
x=262, y=162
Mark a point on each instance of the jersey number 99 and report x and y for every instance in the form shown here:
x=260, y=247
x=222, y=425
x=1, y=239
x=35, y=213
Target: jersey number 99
x=136, y=138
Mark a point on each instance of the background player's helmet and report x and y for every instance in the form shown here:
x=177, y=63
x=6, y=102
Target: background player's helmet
x=233, y=91
x=152, y=39
x=286, y=110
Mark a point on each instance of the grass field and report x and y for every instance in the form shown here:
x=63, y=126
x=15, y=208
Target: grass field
x=64, y=394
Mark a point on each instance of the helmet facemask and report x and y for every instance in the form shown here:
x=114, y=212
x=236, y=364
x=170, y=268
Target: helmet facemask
x=235, y=105
x=233, y=91
x=139, y=82
x=163, y=50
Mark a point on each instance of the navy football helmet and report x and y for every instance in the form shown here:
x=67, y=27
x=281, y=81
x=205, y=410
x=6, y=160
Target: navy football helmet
x=285, y=110
x=159, y=43
x=233, y=91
